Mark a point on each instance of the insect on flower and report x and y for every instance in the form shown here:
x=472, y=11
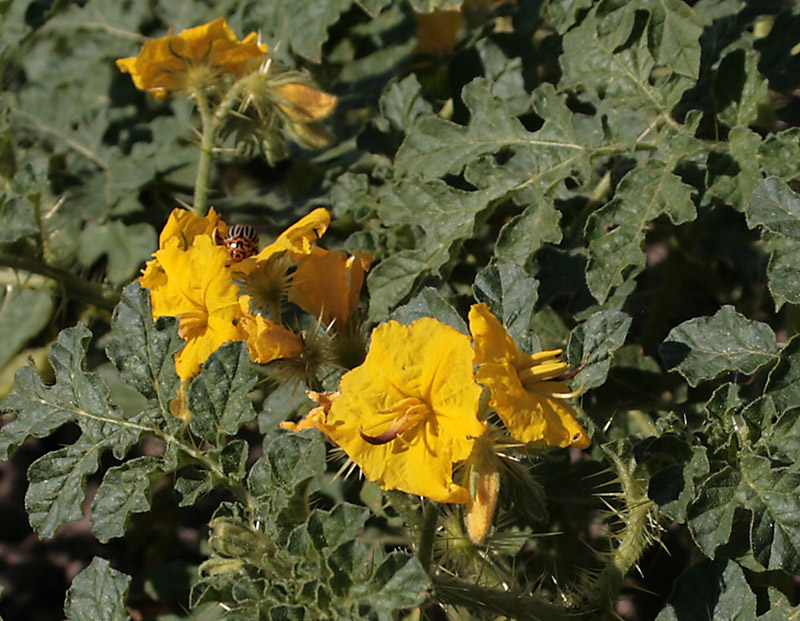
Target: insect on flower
x=241, y=242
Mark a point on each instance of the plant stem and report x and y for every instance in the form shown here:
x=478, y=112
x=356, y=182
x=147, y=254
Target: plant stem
x=72, y=285
x=430, y=518
x=495, y=602
x=633, y=539
x=209, y=129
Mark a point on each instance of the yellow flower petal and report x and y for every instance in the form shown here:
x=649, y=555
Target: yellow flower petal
x=303, y=103
x=316, y=416
x=409, y=412
x=267, y=340
x=185, y=225
x=297, y=240
x=166, y=65
x=328, y=284
x=526, y=390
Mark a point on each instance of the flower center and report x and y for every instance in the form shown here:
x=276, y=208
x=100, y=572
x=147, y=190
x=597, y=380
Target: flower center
x=404, y=416
x=539, y=372
x=193, y=324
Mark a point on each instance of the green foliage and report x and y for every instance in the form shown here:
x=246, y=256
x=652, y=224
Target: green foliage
x=98, y=592
x=617, y=179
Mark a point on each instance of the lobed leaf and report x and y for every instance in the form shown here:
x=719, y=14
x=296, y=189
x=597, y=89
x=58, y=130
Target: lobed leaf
x=592, y=345
x=125, y=489
x=617, y=230
x=218, y=396
x=771, y=497
x=127, y=247
x=142, y=349
x=430, y=303
x=703, y=348
x=98, y=592
x=775, y=207
x=511, y=295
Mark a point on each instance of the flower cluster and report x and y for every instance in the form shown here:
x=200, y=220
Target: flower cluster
x=193, y=277
x=412, y=410
x=210, y=60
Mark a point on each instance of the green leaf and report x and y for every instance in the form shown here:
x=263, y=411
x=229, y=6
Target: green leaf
x=23, y=314
x=192, y=485
x=735, y=168
x=330, y=529
x=592, y=345
x=430, y=303
x=617, y=230
x=143, y=350
x=399, y=582
x=98, y=592
x=76, y=396
x=675, y=505
x=58, y=479
x=127, y=247
x=703, y=348
x=301, y=24
x=448, y=216
x=711, y=590
x=526, y=232
x=615, y=50
x=783, y=383
x=125, y=489
x=771, y=497
x=783, y=270
x=435, y=147
x=739, y=88
x=776, y=207
x=511, y=295
x=18, y=217
x=218, y=396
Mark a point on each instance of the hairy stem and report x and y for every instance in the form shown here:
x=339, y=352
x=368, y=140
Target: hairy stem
x=632, y=541
x=495, y=602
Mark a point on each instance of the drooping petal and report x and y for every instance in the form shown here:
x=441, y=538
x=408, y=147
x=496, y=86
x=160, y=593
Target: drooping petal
x=304, y=104
x=327, y=284
x=299, y=238
x=526, y=391
x=267, y=340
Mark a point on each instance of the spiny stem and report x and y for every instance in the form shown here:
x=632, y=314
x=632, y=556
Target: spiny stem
x=494, y=602
x=632, y=541
x=430, y=518
x=73, y=286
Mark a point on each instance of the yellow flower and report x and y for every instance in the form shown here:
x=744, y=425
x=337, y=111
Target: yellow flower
x=409, y=412
x=327, y=284
x=527, y=391
x=195, y=286
x=197, y=56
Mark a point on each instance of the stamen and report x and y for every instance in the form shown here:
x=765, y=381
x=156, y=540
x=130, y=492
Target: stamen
x=409, y=413
x=192, y=322
x=563, y=395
